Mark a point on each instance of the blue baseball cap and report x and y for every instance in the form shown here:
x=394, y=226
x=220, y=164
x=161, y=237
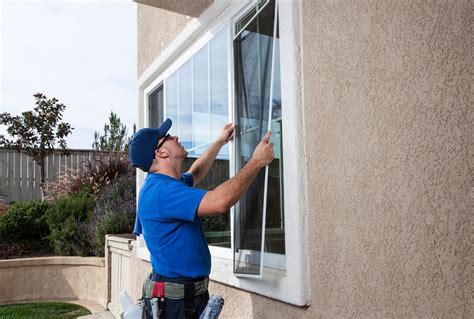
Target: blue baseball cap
x=143, y=145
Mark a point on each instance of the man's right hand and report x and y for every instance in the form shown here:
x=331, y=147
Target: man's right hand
x=263, y=154
x=224, y=196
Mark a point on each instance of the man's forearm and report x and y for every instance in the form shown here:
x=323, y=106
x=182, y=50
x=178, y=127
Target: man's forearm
x=203, y=164
x=227, y=194
x=233, y=189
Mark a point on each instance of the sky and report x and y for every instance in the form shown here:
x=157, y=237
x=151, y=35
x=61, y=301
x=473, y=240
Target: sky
x=84, y=53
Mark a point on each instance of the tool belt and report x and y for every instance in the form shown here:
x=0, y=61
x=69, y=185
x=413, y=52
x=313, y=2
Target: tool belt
x=158, y=289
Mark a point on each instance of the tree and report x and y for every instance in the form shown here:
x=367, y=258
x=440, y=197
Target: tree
x=115, y=136
x=36, y=132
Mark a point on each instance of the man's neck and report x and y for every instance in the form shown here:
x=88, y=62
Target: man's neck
x=166, y=168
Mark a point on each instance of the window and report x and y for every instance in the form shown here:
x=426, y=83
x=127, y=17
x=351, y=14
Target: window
x=197, y=97
x=226, y=67
x=259, y=215
x=155, y=107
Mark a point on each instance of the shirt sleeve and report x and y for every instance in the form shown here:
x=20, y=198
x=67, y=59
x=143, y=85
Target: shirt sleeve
x=178, y=201
x=137, y=230
x=188, y=179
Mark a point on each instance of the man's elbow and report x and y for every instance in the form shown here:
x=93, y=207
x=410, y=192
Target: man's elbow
x=222, y=206
x=214, y=204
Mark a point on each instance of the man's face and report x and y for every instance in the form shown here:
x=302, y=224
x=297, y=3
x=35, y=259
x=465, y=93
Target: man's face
x=172, y=146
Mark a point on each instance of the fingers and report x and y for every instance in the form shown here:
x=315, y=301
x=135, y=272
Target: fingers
x=266, y=138
x=230, y=138
x=229, y=126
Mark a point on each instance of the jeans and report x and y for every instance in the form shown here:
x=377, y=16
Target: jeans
x=174, y=309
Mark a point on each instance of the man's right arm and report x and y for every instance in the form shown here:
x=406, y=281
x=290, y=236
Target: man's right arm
x=224, y=196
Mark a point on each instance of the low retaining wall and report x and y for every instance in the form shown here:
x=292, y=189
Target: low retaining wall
x=53, y=278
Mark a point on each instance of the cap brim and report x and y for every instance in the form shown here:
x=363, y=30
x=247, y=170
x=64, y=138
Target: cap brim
x=165, y=127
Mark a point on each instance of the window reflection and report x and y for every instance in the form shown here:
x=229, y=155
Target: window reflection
x=185, y=106
x=197, y=97
x=172, y=98
x=155, y=107
x=201, y=116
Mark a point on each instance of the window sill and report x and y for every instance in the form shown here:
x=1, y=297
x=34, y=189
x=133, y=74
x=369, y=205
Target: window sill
x=275, y=283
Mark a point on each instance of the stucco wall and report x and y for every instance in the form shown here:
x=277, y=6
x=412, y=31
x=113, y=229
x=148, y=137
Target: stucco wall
x=389, y=126
x=53, y=278
x=156, y=29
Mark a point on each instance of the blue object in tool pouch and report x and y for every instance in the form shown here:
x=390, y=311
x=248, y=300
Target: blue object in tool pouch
x=213, y=307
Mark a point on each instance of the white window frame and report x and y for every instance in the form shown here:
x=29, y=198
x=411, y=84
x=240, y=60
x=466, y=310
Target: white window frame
x=285, y=277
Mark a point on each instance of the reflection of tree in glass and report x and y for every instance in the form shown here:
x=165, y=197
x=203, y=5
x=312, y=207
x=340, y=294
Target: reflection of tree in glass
x=218, y=174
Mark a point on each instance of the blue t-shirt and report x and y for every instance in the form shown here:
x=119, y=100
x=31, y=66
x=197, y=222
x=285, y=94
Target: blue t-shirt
x=166, y=216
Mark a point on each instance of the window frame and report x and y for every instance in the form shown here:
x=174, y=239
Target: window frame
x=281, y=273
x=267, y=259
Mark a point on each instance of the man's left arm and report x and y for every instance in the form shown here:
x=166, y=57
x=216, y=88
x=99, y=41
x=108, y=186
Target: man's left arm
x=203, y=164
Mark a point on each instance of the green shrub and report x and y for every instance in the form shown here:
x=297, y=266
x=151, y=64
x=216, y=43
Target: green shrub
x=66, y=219
x=24, y=221
x=114, y=212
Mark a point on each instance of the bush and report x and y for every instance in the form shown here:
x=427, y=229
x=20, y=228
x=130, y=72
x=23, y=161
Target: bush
x=115, y=211
x=65, y=219
x=96, y=173
x=24, y=221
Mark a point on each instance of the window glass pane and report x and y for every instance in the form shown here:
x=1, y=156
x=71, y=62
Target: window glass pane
x=219, y=87
x=274, y=226
x=201, y=116
x=253, y=66
x=172, y=98
x=155, y=107
x=217, y=228
x=185, y=105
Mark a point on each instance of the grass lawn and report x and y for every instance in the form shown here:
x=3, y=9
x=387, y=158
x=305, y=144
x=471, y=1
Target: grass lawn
x=40, y=310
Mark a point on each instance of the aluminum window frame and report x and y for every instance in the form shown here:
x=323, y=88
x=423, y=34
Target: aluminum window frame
x=279, y=259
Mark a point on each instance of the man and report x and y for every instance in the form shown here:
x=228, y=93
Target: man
x=169, y=211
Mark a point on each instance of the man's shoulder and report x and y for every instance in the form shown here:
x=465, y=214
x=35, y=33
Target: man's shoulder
x=164, y=183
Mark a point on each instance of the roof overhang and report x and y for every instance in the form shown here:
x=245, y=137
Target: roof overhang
x=190, y=8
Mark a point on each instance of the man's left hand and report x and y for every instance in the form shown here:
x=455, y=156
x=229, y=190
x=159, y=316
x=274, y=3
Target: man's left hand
x=227, y=133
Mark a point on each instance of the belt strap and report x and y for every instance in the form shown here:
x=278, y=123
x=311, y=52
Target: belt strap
x=158, y=289
x=189, y=301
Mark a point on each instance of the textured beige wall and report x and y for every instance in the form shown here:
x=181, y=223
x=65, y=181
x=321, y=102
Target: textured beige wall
x=389, y=126
x=390, y=143
x=53, y=278
x=156, y=29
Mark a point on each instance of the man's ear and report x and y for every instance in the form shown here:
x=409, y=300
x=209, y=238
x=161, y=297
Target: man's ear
x=162, y=153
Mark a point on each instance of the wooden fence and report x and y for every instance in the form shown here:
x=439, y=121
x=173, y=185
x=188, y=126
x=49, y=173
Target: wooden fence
x=20, y=176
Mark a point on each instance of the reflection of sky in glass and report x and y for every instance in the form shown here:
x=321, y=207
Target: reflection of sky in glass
x=201, y=79
x=185, y=105
x=171, y=93
x=197, y=97
x=218, y=53
x=201, y=118
x=219, y=86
